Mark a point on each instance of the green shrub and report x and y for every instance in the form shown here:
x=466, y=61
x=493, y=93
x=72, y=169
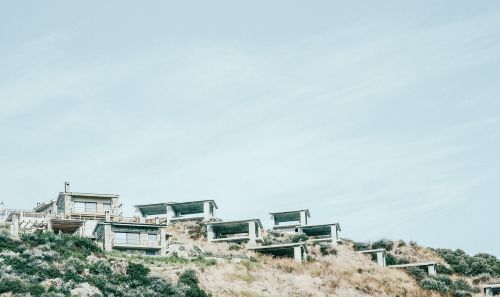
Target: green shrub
x=189, y=278
x=390, y=259
x=463, y=264
x=327, y=249
x=461, y=294
x=299, y=238
x=35, y=290
x=137, y=274
x=434, y=285
x=361, y=246
x=100, y=268
x=8, y=244
x=445, y=279
x=417, y=273
x=462, y=285
x=12, y=286
x=383, y=244
x=443, y=269
x=196, y=292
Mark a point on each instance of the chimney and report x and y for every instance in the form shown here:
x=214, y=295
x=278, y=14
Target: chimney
x=66, y=187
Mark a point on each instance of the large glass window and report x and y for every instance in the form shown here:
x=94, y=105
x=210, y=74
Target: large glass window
x=120, y=237
x=153, y=238
x=85, y=206
x=79, y=206
x=127, y=238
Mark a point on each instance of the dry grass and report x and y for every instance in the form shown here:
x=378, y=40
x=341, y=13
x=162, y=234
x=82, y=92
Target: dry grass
x=348, y=275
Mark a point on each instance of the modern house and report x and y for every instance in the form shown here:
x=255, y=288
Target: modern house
x=297, y=251
x=74, y=205
x=242, y=231
x=148, y=239
x=429, y=267
x=288, y=221
x=172, y=212
x=321, y=233
x=491, y=290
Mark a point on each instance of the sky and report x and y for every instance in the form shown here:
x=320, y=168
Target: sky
x=381, y=115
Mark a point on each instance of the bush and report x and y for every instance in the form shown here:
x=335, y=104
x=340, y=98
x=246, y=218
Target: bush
x=443, y=269
x=361, y=246
x=327, y=249
x=189, y=278
x=434, y=285
x=461, y=294
x=417, y=273
x=383, y=244
x=101, y=268
x=462, y=285
x=445, y=279
x=390, y=259
x=36, y=290
x=463, y=264
x=137, y=274
x=299, y=238
x=12, y=286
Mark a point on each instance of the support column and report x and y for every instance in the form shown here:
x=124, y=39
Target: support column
x=210, y=233
x=15, y=226
x=488, y=291
x=381, y=259
x=49, y=224
x=334, y=235
x=273, y=221
x=163, y=242
x=206, y=210
x=252, y=233
x=297, y=254
x=303, y=218
x=431, y=270
x=108, y=238
x=170, y=214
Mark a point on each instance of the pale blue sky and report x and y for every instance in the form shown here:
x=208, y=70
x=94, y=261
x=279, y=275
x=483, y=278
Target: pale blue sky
x=381, y=115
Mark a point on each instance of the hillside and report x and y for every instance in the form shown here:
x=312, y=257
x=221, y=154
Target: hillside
x=50, y=265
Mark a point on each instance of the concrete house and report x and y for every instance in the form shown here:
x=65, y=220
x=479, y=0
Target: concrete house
x=288, y=221
x=321, y=233
x=73, y=205
x=172, y=212
x=429, y=267
x=242, y=231
x=491, y=290
x=148, y=239
x=297, y=251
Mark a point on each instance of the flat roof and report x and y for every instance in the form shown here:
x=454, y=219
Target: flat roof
x=187, y=207
x=191, y=202
x=319, y=226
x=491, y=286
x=288, y=216
x=413, y=264
x=132, y=224
x=93, y=195
x=238, y=222
x=290, y=211
x=372, y=251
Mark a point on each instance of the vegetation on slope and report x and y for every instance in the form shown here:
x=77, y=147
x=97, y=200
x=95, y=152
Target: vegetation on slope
x=459, y=274
x=45, y=264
